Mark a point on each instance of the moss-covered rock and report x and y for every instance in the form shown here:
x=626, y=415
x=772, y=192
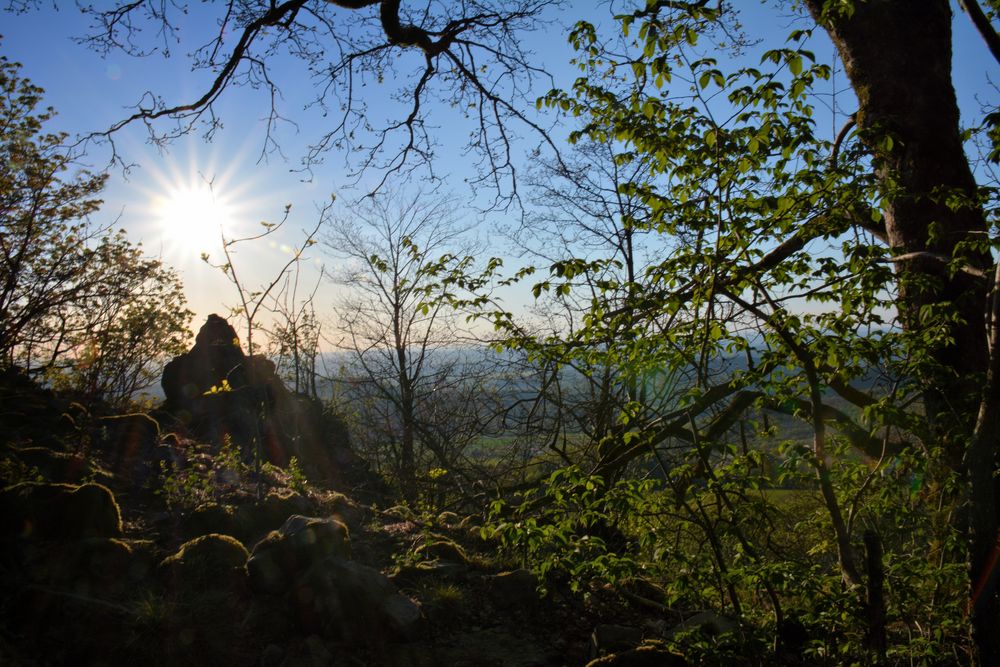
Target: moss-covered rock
x=54, y=466
x=442, y=549
x=131, y=446
x=517, y=588
x=350, y=602
x=210, y=518
x=648, y=655
x=63, y=512
x=344, y=509
x=254, y=521
x=278, y=559
x=208, y=562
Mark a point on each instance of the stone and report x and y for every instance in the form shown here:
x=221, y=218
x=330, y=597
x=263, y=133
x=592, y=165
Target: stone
x=344, y=509
x=56, y=466
x=58, y=512
x=209, y=518
x=707, y=622
x=513, y=589
x=215, y=390
x=607, y=639
x=88, y=566
x=442, y=549
x=254, y=521
x=402, y=617
x=131, y=444
x=351, y=602
x=412, y=575
x=286, y=553
x=648, y=655
x=209, y=562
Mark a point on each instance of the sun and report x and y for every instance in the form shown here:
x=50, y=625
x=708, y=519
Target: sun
x=194, y=217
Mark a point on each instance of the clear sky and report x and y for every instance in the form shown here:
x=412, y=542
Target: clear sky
x=90, y=91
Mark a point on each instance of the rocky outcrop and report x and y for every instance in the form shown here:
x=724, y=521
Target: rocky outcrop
x=211, y=561
x=280, y=558
x=306, y=564
x=131, y=446
x=59, y=512
x=215, y=390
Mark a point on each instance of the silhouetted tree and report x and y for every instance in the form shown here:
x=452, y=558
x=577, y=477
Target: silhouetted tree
x=416, y=372
x=79, y=304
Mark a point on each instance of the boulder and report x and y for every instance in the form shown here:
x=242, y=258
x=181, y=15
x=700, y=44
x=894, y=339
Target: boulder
x=215, y=390
x=513, y=589
x=442, y=549
x=131, y=444
x=351, y=602
x=285, y=554
x=254, y=521
x=61, y=512
x=209, y=518
x=92, y=566
x=209, y=562
x=344, y=509
x=44, y=463
x=607, y=639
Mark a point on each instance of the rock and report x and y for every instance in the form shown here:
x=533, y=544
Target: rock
x=442, y=549
x=209, y=562
x=708, y=622
x=55, y=466
x=613, y=638
x=272, y=656
x=209, y=518
x=412, y=575
x=402, y=617
x=448, y=519
x=254, y=521
x=513, y=589
x=351, y=602
x=286, y=553
x=216, y=390
x=648, y=655
x=344, y=509
x=132, y=446
x=91, y=566
x=58, y=512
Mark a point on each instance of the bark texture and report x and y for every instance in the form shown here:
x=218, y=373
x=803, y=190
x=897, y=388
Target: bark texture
x=897, y=54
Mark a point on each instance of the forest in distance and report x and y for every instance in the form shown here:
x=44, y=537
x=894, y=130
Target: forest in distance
x=727, y=395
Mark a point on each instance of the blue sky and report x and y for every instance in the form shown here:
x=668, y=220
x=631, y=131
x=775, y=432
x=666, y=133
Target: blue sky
x=91, y=91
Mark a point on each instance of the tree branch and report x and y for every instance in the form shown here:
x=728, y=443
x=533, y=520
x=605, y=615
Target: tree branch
x=983, y=25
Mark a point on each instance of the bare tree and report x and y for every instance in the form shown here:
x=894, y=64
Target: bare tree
x=466, y=55
x=251, y=303
x=295, y=333
x=411, y=367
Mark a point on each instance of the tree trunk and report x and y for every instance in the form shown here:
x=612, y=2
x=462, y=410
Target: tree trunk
x=407, y=459
x=897, y=54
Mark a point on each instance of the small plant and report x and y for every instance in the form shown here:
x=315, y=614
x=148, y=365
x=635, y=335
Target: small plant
x=228, y=461
x=297, y=477
x=222, y=387
x=444, y=601
x=14, y=471
x=183, y=489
